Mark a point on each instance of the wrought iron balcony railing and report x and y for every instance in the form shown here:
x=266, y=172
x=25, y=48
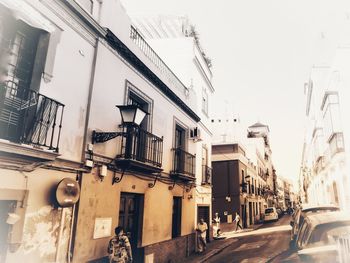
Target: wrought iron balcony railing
x=244, y=187
x=184, y=164
x=29, y=117
x=138, y=145
x=156, y=60
x=206, y=174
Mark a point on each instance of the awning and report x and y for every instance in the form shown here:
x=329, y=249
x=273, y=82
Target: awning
x=25, y=12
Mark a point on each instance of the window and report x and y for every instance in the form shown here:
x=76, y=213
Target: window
x=134, y=99
x=205, y=102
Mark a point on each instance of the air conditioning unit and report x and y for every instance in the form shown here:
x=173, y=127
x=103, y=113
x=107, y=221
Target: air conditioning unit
x=195, y=134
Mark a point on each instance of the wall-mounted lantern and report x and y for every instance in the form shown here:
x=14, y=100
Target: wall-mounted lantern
x=132, y=115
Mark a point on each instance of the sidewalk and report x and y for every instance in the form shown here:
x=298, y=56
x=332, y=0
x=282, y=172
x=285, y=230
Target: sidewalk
x=216, y=246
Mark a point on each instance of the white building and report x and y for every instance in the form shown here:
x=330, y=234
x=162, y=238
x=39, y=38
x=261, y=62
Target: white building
x=325, y=164
x=176, y=43
x=85, y=57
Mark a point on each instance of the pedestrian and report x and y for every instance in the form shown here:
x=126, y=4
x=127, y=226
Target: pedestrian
x=202, y=228
x=216, y=227
x=238, y=221
x=119, y=248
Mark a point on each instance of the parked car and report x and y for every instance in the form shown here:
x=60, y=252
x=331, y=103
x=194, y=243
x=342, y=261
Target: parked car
x=279, y=212
x=317, y=239
x=301, y=213
x=271, y=214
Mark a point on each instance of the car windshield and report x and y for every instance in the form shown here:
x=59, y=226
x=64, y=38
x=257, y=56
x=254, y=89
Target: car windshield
x=328, y=233
x=268, y=210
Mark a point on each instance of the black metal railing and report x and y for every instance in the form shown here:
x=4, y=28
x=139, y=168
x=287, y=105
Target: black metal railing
x=156, y=60
x=244, y=187
x=206, y=174
x=183, y=163
x=140, y=145
x=29, y=117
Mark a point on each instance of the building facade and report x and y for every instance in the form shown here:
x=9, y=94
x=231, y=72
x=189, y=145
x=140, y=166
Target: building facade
x=237, y=184
x=176, y=42
x=324, y=171
x=65, y=67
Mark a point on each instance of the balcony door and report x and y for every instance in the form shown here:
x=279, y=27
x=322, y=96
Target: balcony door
x=140, y=142
x=179, y=158
x=19, y=43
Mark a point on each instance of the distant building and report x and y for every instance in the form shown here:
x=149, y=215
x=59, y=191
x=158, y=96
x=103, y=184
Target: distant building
x=238, y=186
x=244, y=179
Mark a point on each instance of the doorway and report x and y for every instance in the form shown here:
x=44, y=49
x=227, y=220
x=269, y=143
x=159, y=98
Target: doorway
x=250, y=213
x=203, y=212
x=176, y=218
x=131, y=218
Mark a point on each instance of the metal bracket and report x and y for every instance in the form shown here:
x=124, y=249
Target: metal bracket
x=117, y=179
x=151, y=185
x=171, y=187
x=104, y=136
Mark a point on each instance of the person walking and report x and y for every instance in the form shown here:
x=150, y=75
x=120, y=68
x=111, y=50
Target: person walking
x=202, y=228
x=119, y=248
x=216, y=227
x=238, y=221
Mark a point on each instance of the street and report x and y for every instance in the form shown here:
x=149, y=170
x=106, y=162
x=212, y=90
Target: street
x=269, y=243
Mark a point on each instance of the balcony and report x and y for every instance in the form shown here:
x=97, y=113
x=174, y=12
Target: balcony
x=206, y=175
x=156, y=60
x=140, y=151
x=336, y=143
x=184, y=165
x=28, y=117
x=244, y=187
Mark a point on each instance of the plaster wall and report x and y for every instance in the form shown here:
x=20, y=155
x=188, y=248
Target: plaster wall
x=102, y=199
x=42, y=220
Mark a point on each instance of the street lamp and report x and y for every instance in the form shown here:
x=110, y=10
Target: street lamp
x=132, y=115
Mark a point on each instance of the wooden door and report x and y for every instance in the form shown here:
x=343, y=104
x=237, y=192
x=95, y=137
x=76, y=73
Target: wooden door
x=130, y=218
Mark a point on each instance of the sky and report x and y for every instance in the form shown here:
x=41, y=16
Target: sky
x=262, y=52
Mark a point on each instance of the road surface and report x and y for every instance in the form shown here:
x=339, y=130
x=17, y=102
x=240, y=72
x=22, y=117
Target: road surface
x=269, y=243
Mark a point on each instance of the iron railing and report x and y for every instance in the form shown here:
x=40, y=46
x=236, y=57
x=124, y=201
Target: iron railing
x=29, y=117
x=183, y=163
x=156, y=60
x=140, y=145
x=244, y=187
x=206, y=174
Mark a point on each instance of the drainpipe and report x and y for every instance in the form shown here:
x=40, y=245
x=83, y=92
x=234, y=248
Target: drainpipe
x=88, y=106
x=63, y=214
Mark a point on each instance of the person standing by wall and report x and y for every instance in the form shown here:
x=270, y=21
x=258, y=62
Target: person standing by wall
x=238, y=221
x=119, y=248
x=202, y=228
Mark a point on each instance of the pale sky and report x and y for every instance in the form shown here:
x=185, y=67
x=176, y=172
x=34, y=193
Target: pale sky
x=262, y=52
